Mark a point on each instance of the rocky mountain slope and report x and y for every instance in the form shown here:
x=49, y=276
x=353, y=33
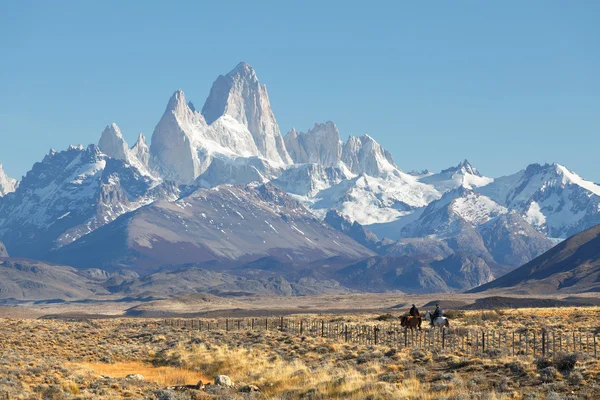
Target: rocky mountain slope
x=70, y=194
x=223, y=223
x=553, y=199
x=572, y=266
x=35, y=280
x=3, y=251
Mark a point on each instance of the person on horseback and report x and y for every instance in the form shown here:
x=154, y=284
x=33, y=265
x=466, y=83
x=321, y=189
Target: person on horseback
x=414, y=312
x=437, y=313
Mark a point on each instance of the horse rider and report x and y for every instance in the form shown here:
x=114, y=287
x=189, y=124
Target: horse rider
x=437, y=313
x=414, y=312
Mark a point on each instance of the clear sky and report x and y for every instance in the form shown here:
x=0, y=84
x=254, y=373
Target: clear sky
x=503, y=83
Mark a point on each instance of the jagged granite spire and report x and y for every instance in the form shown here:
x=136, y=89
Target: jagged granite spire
x=240, y=95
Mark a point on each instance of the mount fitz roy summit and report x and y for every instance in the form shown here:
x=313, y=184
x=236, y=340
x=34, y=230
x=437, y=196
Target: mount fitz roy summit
x=305, y=199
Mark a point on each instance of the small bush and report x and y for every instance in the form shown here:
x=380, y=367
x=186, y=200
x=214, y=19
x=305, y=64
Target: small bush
x=385, y=317
x=454, y=314
x=566, y=361
x=548, y=374
x=575, y=378
x=542, y=363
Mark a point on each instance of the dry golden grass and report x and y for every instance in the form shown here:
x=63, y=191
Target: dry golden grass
x=163, y=375
x=42, y=359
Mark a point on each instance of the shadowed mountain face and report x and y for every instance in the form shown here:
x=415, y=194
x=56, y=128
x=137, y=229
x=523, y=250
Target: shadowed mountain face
x=412, y=275
x=22, y=279
x=572, y=266
x=224, y=223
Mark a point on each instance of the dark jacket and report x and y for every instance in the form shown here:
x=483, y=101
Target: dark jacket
x=414, y=312
x=437, y=313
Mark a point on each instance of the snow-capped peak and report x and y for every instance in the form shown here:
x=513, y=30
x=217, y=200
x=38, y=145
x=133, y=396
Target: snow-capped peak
x=245, y=71
x=465, y=168
x=141, y=151
x=240, y=95
x=456, y=207
x=362, y=154
x=464, y=174
x=7, y=185
x=112, y=143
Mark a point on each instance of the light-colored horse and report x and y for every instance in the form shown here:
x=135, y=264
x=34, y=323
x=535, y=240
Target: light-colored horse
x=438, y=322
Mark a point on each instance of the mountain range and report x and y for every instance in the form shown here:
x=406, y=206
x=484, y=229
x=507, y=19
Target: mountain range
x=224, y=185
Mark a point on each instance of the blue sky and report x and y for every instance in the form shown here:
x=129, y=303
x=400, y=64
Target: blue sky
x=503, y=84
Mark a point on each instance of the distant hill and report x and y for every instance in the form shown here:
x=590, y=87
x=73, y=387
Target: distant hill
x=573, y=266
x=22, y=279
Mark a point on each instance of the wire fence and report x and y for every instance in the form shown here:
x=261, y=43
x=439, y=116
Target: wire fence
x=544, y=342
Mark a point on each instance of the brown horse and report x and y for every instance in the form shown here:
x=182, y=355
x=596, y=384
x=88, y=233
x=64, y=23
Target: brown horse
x=410, y=322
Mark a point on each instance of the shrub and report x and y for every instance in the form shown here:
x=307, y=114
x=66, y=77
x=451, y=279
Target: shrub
x=385, y=317
x=548, y=374
x=575, y=378
x=566, y=361
x=542, y=363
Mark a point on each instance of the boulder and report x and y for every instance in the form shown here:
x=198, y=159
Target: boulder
x=134, y=377
x=223, y=380
x=249, y=389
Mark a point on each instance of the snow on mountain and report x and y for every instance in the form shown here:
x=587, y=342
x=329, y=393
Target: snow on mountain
x=310, y=179
x=141, y=151
x=69, y=194
x=369, y=200
x=364, y=155
x=513, y=241
x=464, y=174
x=173, y=151
x=448, y=215
x=320, y=145
x=555, y=200
x=365, y=185
x=114, y=145
x=240, y=95
x=187, y=150
x=7, y=185
x=223, y=223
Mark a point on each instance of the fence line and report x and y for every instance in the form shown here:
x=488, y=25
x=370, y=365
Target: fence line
x=545, y=342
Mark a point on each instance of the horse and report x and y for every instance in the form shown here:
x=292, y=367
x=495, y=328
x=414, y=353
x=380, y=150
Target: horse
x=411, y=322
x=439, y=321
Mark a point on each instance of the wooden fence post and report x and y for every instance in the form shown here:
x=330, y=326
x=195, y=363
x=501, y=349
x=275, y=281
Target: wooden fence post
x=483, y=342
x=346, y=333
x=322, y=328
x=443, y=337
x=513, y=343
x=226, y=324
x=595, y=351
x=375, y=330
x=301, y=326
x=543, y=343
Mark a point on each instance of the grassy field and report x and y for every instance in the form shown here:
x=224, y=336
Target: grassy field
x=59, y=359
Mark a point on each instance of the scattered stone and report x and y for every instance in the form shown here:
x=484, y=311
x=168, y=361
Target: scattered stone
x=135, y=377
x=249, y=389
x=223, y=380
